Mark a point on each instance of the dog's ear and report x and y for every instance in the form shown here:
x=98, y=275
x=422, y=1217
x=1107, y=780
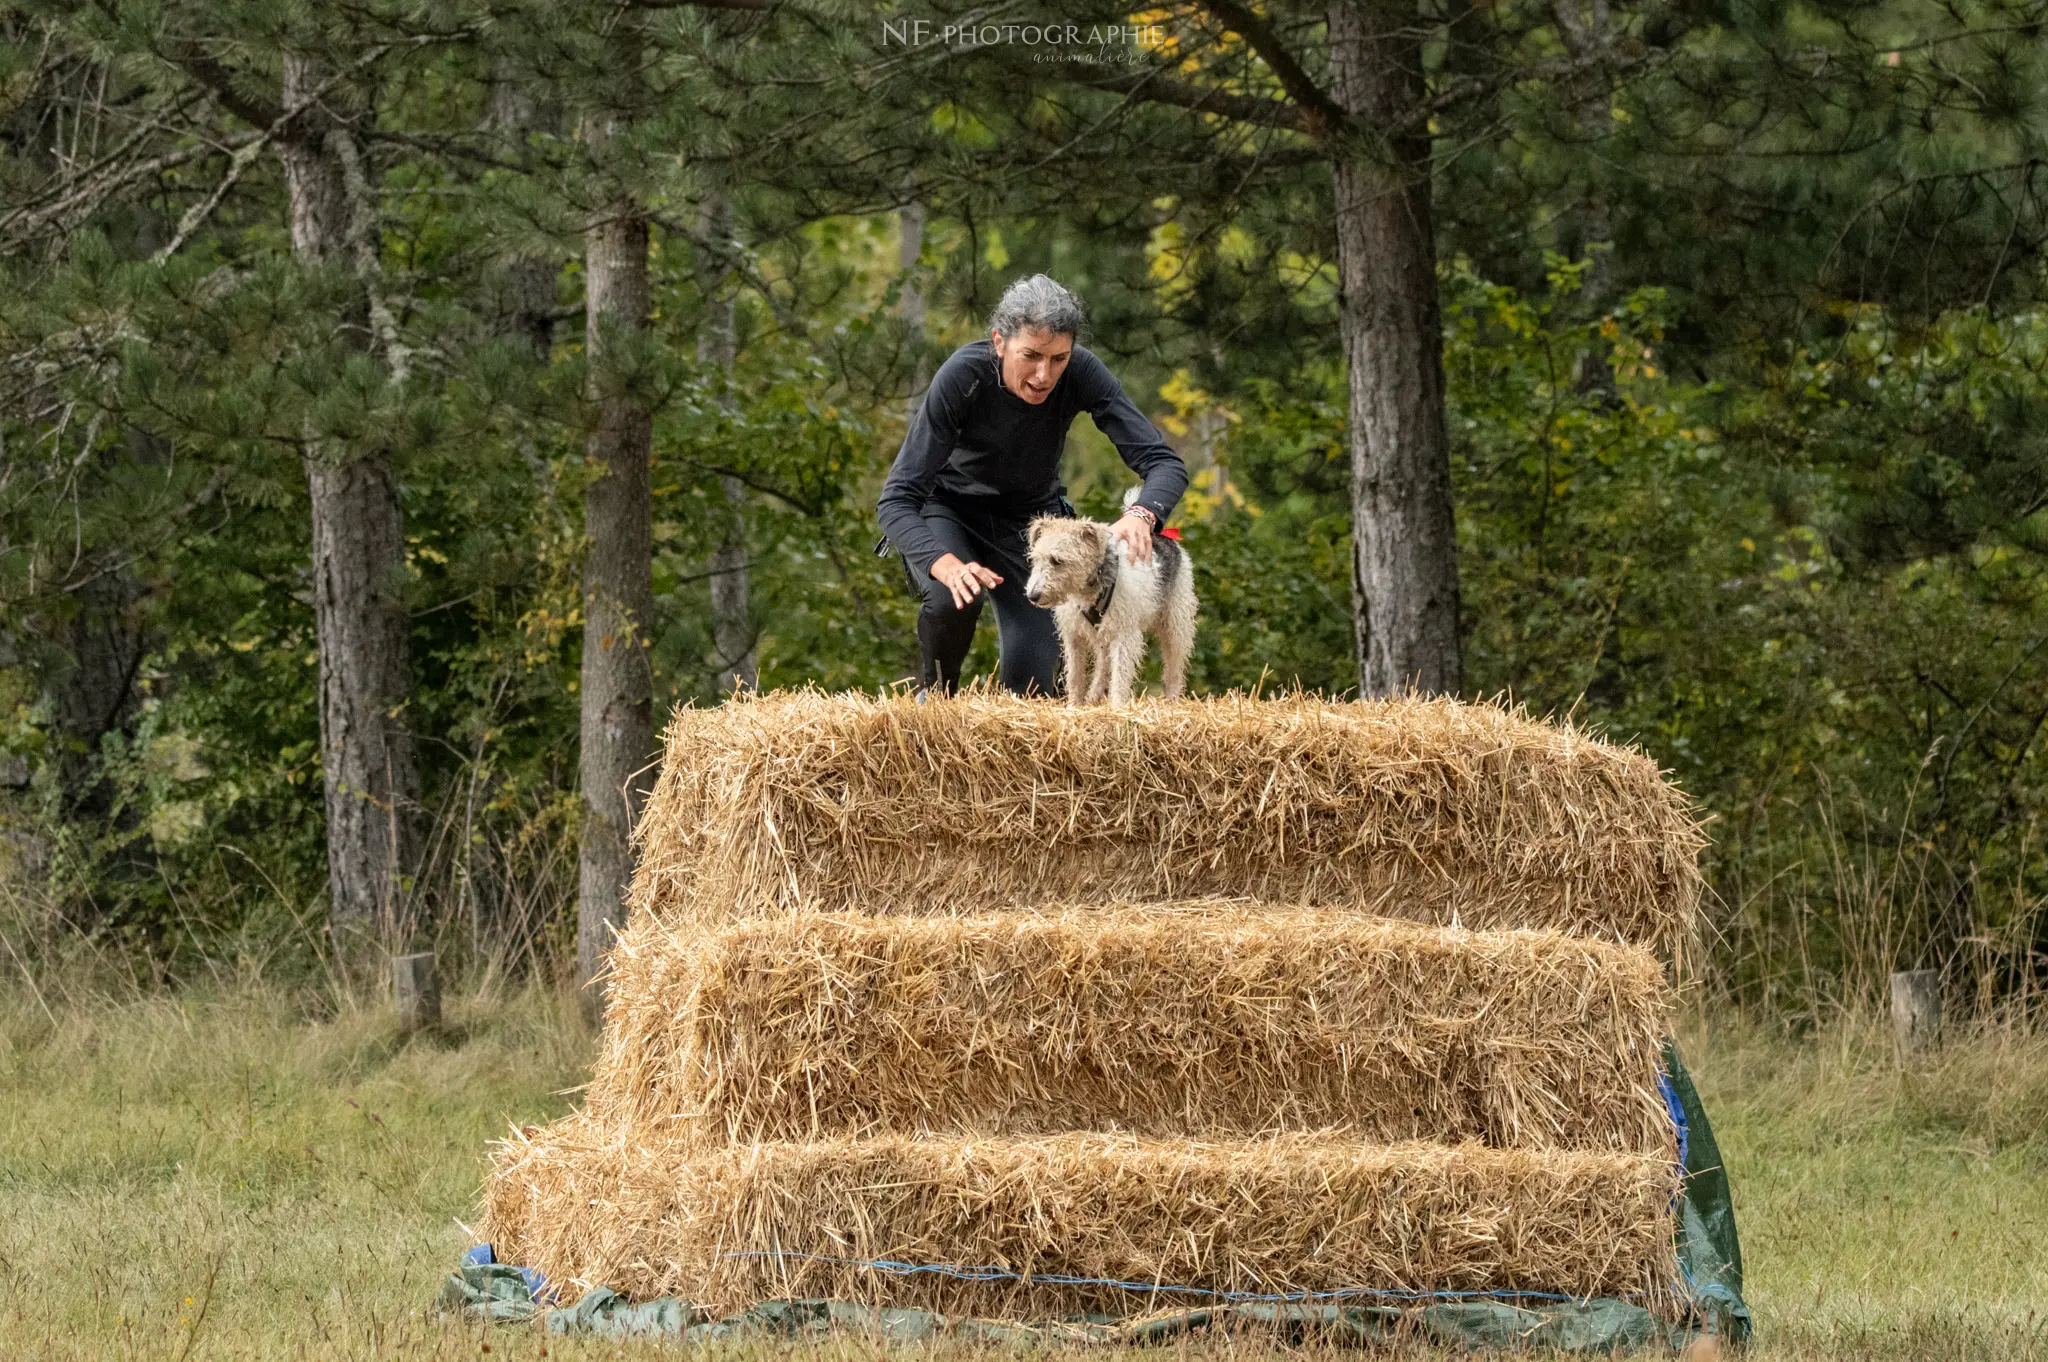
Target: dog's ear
x=1037, y=529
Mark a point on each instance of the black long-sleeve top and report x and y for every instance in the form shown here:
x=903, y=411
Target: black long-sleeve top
x=975, y=441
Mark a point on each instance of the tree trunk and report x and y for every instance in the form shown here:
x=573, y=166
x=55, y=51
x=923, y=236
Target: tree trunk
x=618, y=586
x=97, y=694
x=1404, y=580
x=910, y=247
x=522, y=288
x=366, y=754
x=732, y=623
x=1584, y=33
x=359, y=606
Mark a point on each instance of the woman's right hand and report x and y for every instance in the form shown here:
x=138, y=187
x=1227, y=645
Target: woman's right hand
x=964, y=580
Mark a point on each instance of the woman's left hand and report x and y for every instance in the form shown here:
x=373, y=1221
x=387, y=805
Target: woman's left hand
x=1136, y=533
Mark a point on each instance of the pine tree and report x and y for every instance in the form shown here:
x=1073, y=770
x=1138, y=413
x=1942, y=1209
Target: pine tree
x=359, y=568
x=732, y=624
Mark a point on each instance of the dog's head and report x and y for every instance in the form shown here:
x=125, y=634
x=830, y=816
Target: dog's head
x=1069, y=560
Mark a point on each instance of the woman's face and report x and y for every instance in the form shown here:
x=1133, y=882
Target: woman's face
x=1032, y=361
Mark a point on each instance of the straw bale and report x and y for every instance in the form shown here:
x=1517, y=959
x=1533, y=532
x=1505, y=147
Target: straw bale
x=590, y=1203
x=1215, y=1018
x=1421, y=808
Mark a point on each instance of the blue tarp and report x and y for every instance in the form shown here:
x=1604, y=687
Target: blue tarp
x=1709, y=1255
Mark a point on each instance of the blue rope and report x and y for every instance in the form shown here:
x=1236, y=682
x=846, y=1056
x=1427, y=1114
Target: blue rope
x=998, y=1274
x=1676, y=1110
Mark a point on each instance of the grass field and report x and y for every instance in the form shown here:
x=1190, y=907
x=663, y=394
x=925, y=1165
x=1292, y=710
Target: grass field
x=230, y=1174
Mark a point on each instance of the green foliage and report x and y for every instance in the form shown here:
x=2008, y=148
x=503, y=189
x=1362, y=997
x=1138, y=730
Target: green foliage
x=1813, y=597
x=1757, y=479
x=1816, y=597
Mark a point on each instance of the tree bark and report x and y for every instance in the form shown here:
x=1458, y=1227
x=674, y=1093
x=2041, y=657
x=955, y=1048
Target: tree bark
x=97, y=693
x=359, y=607
x=909, y=249
x=523, y=285
x=618, y=585
x=732, y=622
x=1404, y=546
x=1584, y=33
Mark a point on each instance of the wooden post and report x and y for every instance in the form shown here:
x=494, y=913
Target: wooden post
x=419, y=991
x=1916, y=1009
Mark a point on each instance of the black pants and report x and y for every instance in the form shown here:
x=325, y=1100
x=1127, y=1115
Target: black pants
x=1029, y=644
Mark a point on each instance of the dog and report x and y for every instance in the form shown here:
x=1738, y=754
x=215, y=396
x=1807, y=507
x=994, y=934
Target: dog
x=1104, y=604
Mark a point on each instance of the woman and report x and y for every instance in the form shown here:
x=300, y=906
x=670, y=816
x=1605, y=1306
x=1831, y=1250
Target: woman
x=982, y=460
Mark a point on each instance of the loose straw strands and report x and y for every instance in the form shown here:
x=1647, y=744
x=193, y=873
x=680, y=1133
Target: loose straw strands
x=1210, y=1019
x=1424, y=808
x=587, y=1202
x=844, y=1030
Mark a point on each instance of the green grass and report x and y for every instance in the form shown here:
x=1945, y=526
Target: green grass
x=1884, y=1210
x=229, y=1175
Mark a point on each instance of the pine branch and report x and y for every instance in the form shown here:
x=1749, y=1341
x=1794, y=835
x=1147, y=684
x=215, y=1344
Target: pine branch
x=174, y=523
x=279, y=128
x=455, y=147
x=735, y=258
x=261, y=113
x=1323, y=119
x=1615, y=63
x=795, y=501
x=702, y=4
x=217, y=77
x=362, y=243
x=199, y=212
x=1156, y=87
x=80, y=200
x=1301, y=88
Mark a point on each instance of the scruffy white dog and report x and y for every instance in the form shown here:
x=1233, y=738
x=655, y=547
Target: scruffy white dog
x=1104, y=604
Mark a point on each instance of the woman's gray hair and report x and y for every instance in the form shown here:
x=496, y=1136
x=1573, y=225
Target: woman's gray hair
x=1037, y=303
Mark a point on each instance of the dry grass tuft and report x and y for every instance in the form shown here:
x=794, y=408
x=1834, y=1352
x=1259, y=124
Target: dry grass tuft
x=1424, y=809
x=588, y=1202
x=1212, y=1019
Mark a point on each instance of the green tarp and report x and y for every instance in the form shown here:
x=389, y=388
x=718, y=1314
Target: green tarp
x=1709, y=1253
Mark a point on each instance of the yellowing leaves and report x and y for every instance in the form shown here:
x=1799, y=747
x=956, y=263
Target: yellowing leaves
x=963, y=126
x=1169, y=256
x=1237, y=246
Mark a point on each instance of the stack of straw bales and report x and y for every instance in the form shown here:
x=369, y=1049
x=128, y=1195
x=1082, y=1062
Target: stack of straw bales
x=1268, y=997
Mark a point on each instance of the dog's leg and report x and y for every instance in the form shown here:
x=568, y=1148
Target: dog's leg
x=1124, y=655
x=1098, y=670
x=1073, y=660
x=1176, y=628
x=1173, y=657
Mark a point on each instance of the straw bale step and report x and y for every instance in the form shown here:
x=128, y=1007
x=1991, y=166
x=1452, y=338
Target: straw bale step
x=1213, y=1018
x=1429, y=809
x=652, y=1214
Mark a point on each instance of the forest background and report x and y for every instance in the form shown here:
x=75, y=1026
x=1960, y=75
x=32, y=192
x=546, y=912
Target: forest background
x=1744, y=414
